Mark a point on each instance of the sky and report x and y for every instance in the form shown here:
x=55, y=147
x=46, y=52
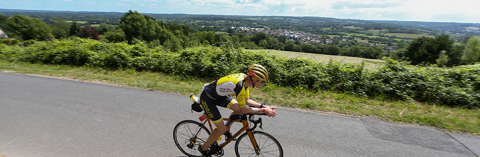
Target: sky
x=460, y=11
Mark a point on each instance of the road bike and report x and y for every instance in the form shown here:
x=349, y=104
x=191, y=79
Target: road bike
x=189, y=134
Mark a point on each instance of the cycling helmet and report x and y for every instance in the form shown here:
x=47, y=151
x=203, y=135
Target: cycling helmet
x=258, y=72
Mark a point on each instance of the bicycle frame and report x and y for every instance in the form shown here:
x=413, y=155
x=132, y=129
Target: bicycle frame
x=246, y=127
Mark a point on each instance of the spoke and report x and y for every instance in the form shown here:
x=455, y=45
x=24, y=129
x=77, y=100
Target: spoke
x=188, y=129
x=185, y=144
x=270, y=145
x=270, y=153
x=249, y=154
x=193, y=151
x=247, y=146
x=185, y=135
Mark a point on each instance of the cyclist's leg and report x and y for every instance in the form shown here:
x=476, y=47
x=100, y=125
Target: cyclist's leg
x=221, y=128
x=211, y=110
x=236, y=109
x=232, y=104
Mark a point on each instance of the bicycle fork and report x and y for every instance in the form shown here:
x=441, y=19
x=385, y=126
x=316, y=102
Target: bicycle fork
x=254, y=142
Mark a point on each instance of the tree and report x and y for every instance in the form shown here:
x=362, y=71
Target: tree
x=442, y=59
x=173, y=44
x=326, y=49
x=257, y=37
x=206, y=37
x=28, y=28
x=298, y=48
x=282, y=38
x=151, y=30
x=401, y=45
x=389, y=43
x=455, y=56
x=368, y=53
x=379, y=52
x=427, y=50
x=74, y=29
x=263, y=44
x=103, y=28
x=472, y=51
x=422, y=49
x=289, y=46
x=230, y=30
x=60, y=28
x=336, y=42
x=398, y=54
x=334, y=50
x=114, y=36
x=133, y=24
x=345, y=51
x=444, y=43
x=3, y=21
x=89, y=33
x=307, y=48
x=355, y=51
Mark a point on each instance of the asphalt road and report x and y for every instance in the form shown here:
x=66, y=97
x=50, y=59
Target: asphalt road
x=50, y=117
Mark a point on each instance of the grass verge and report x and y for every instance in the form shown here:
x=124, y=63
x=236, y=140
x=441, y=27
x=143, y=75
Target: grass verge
x=458, y=120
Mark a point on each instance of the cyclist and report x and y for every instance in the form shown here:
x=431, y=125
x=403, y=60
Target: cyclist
x=219, y=93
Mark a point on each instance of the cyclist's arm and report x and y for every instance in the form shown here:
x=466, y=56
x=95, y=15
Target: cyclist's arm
x=270, y=111
x=246, y=110
x=243, y=101
x=252, y=103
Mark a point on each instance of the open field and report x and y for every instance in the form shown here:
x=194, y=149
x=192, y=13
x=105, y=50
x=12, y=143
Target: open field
x=362, y=41
x=321, y=57
x=79, y=22
x=376, y=32
x=370, y=63
x=405, y=35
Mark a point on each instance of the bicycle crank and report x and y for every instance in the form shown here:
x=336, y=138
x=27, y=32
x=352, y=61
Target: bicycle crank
x=216, y=150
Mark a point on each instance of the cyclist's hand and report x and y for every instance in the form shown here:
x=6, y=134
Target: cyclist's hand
x=273, y=108
x=270, y=112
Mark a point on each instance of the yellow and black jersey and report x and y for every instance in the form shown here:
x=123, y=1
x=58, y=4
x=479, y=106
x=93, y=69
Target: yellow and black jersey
x=229, y=86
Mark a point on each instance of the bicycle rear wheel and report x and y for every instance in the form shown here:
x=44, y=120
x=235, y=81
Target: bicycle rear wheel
x=267, y=145
x=185, y=139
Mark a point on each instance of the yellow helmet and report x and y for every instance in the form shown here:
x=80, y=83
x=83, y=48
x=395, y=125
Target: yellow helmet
x=258, y=72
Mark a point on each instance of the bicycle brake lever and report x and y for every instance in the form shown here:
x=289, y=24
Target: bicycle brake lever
x=260, y=121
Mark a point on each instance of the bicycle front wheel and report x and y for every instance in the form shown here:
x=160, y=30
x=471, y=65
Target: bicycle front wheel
x=267, y=145
x=186, y=137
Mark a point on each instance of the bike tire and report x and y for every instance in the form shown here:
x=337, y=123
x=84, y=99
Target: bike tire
x=184, y=131
x=268, y=145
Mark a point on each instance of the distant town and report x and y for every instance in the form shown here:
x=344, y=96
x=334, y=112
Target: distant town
x=302, y=37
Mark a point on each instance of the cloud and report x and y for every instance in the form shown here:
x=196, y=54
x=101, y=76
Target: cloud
x=364, y=4
x=247, y=1
x=89, y=3
x=138, y=0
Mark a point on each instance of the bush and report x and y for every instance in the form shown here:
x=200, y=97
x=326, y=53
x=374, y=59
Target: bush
x=28, y=42
x=9, y=41
x=454, y=86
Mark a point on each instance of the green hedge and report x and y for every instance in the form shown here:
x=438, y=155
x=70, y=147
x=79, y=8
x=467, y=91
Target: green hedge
x=9, y=41
x=454, y=87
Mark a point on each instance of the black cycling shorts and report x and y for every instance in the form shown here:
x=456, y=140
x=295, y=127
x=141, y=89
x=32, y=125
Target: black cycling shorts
x=210, y=106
